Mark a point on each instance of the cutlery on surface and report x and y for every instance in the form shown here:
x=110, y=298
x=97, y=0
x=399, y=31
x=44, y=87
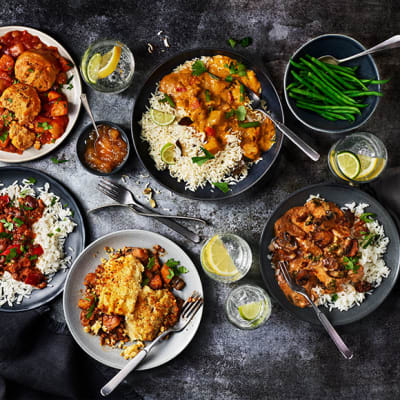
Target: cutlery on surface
x=390, y=43
x=346, y=352
x=188, y=311
x=298, y=141
x=124, y=197
x=89, y=111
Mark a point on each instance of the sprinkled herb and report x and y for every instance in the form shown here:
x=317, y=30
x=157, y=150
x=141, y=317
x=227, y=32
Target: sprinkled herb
x=170, y=274
x=201, y=160
x=367, y=217
x=34, y=257
x=334, y=297
x=32, y=180
x=12, y=254
x=55, y=160
x=5, y=235
x=207, y=94
x=58, y=230
x=232, y=42
x=171, y=263
x=23, y=193
x=7, y=225
x=31, y=70
x=18, y=221
x=253, y=124
x=4, y=136
x=145, y=281
x=198, y=68
x=350, y=263
x=174, y=268
x=229, y=114
x=53, y=201
x=50, y=234
x=246, y=41
x=369, y=239
x=10, y=100
x=169, y=100
x=151, y=263
x=229, y=78
x=223, y=186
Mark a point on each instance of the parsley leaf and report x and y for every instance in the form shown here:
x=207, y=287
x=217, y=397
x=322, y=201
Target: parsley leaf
x=351, y=263
x=18, y=221
x=7, y=225
x=334, y=297
x=32, y=180
x=201, y=160
x=12, y=254
x=55, y=160
x=151, y=263
x=223, y=186
x=172, y=263
x=170, y=274
x=174, y=268
x=145, y=281
x=198, y=68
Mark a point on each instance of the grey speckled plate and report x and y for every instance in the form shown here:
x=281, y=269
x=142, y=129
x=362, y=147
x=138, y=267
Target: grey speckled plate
x=75, y=240
x=88, y=261
x=341, y=195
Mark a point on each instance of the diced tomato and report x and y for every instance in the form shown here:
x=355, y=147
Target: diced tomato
x=4, y=200
x=210, y=131
x=33, y=278
x=6, y=252
x=194, y=103
x=181, y=89
x=6, y=63
x=37, y=250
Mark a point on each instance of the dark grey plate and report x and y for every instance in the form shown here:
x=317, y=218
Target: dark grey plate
x=341, y=195
x=256, y=172
x=75, y=240
x=339, y=46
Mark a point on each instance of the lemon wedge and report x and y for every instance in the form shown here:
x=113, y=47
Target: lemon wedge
x=109, y=62
x=218, y=259
x=368, y=165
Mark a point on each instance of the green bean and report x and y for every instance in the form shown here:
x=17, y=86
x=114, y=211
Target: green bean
x=374, y=82
x=359, y=93
x=306, y=107
x=312, y=95
x=352, y=78
x=328, y=116
x=350, y=117
x=297, y=65
x=304, y=82
x=346, y=109
x=350, y=70
x=293, y=84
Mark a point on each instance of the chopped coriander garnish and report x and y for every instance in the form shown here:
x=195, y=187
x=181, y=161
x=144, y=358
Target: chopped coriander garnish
x=172, y=263
x=50, y=234
x=34, y=257
x=12, y=254
x=334, y=297
x=174, y=269
x=4, y=136
x=201, y=160
x=207, y=94
x=9, y=226
x=9, y=100
x=350, y=263
x=229, y=78
x=30, y=70
x=55, y=160
x=145, y=281
x=170, y=274
x=253, y=124
x=32, y=180
x=198, y=68
x=18, y=221
x=53, y=201
x=58, y=230
x=151, y=263
x=223, y=186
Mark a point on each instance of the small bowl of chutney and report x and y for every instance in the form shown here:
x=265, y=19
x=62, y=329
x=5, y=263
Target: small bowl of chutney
x=105, y=154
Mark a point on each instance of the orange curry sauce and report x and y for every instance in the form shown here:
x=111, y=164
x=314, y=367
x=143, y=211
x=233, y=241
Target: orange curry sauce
x=52, y=120
x=211, y=100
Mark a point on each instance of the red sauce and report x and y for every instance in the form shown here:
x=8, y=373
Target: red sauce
x=18, y=253
x=52, y=120
x=106, y=152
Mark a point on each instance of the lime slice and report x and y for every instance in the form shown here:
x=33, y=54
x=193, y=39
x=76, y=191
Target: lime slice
x=161, y=118
x=93, y=67
x=250, y=311
x=368, y=165
x=168, y=153
x=349, y=164
x=218, y=258
x=109, y=62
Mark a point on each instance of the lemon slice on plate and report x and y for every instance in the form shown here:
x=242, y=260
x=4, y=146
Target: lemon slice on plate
x=250, y=311
x=368, y=165
x=349, y=164
x=109, y=62
x=92, y=71
x=218, y=259
x=161, y=118
x=168, y=153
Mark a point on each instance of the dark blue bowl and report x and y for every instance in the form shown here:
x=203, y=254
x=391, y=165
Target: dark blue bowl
x=339, y=46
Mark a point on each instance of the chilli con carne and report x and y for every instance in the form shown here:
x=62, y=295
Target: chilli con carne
x=18, y=252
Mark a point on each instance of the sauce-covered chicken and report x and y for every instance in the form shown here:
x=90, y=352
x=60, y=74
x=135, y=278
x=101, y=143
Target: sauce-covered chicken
x=320, y=243
x=216, y=103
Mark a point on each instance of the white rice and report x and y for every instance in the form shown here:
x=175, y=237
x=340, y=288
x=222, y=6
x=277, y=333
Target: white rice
x=375, y=268
x=56, y=222
x=218, y=169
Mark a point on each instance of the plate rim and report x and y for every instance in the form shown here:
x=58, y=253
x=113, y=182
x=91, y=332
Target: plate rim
x=262, y=256
x=40, y=33
x=81, y=222
x=256, y=64
x=286, y=95
x=68, y=283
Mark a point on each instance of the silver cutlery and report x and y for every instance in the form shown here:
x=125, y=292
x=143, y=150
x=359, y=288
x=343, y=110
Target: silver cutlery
x=390, y=43
x=297, y=140
x=189, y=309
x=125, y=198
x=89, y=111
x=346, y=352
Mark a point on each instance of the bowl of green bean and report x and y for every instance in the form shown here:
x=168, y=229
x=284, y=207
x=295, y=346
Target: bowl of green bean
x=332, y=98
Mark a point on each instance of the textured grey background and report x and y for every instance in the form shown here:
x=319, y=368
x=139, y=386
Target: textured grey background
x=286, y=358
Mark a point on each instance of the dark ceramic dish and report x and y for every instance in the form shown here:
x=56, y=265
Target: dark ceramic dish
x=339, y=46
x=256, y=172
x=340, y=195
x=75, y=240
x=81, y=147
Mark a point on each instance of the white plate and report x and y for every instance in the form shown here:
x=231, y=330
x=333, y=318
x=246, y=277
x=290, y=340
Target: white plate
x=88, y=261
x=73, y=97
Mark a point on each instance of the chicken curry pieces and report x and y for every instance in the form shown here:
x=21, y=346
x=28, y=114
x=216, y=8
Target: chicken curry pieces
x=320, y=243
x=33, y=111
x=213, y=96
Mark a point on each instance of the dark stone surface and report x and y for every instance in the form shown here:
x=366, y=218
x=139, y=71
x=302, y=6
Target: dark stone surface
x=285, y=359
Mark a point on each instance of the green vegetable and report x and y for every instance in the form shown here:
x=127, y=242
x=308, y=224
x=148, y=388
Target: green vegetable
x=170, y=274
x=367, y=217
x=350, y=263
x=4, y=136
x=145, y=281
x=169, y=100
x=369, y=239
x=246, y=41
x=174, y=268
x=32, y=180
x=213, y=76
x=229, y=114
x=207, y=94
x=334, y=297
x=201, y=160
x=252, y=124
x=241, y=93
x=9, y=226
x=232, y=42
x=92, y=307
x=229, y=78
x=45, y=125
x=18, y=221
x=34, y=257
x=241, y=113
x=55, y=160
x=223, y=186
x=53, y=201
x=198, y=68
x=12, y=254
x=151, y=263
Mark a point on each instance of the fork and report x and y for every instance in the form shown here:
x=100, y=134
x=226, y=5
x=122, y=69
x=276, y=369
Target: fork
x=124, y=197
x=188, y=311
x=346, y=352
x=298, y=141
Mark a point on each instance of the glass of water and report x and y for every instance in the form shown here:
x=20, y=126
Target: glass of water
x=248, y=307
x=122, y=76
x=226, y=257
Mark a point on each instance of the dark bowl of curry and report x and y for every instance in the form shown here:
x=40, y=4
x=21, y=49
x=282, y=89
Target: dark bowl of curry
x=105, y=154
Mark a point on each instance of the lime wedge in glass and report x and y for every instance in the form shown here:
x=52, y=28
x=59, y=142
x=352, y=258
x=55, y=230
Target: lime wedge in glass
x=93, y=67
x=349, y=164
x=250, y=311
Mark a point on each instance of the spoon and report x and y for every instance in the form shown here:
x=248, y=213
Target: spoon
x=89, y=111
x=391, y=43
